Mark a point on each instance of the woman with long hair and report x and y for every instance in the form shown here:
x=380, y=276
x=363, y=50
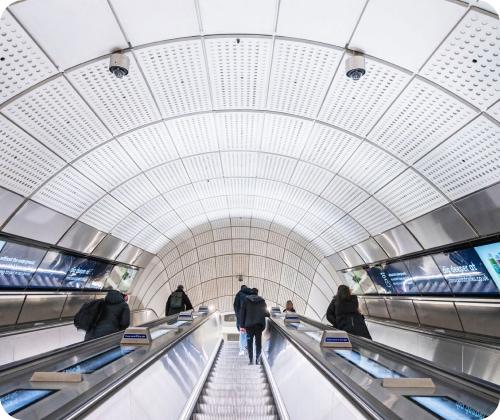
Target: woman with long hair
x=343, y=313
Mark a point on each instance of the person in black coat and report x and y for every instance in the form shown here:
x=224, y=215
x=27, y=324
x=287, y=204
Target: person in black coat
x=237, y=304
x=253, y=320
x=177, y=302
x=114, y=316
x=343, y=313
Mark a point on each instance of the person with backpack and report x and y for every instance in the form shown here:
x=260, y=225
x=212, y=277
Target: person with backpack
x=253, y=321
x=238, y=303
x=343, y=313
x=178, y=302
x=101, y=317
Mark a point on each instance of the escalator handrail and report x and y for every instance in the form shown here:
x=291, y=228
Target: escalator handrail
x=366, y=403
x=476, y=384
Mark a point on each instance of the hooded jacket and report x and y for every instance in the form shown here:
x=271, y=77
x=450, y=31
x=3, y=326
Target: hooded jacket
x=115, y=316
x=186, y=304
x=344, y=315
x=238, y=303
x=253, y=312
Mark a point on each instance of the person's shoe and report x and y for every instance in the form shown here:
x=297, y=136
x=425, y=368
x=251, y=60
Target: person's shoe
x=250, y=362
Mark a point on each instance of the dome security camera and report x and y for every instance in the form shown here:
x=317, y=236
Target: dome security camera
x=119, y=64
x=355, y=67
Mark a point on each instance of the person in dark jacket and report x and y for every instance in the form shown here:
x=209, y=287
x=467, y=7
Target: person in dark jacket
x=238, y=302
x=289, y=306
x=178, y=302
x=253, y=320
x=343, y=313
x=114, y=316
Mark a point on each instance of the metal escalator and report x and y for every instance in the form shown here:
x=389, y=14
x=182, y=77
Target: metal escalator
x=234, y=389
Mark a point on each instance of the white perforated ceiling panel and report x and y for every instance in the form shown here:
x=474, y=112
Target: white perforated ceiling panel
x=105, y=214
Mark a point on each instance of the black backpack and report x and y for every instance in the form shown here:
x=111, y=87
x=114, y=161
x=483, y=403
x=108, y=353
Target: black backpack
x=176, y=300
x=88, y=315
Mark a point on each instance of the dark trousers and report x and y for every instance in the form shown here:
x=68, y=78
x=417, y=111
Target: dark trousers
x=257, y=333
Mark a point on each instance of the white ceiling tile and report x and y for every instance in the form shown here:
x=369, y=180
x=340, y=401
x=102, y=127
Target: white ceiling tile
x=319, y=20
x=313, y=223
x=129, y=227
x=153, y=209
x=108, y=165
x=311, y=178
x=169, y=176
x=214, y=203
x=72, y=34
x=25, y=164
x=494, y=111
x=23, y=63
x=194, y=134
x=181, y=196
x=177, y=75
x=278, y=168
x=405, y=32
x=371, y=168
x=374, y=217
x=150, y=239
x=105, y=214
x=239, y=164
x=210, y=188
x=467, y=161
x=298, y=196
x=238, y=16
x=123, y=104
x=329, y=147
x=239, y=130
x=467, y=62
x=149, y=146
x=55, y=114
x=326, y=210
x=344, y=194
x=203, y=167
x=190, y=210
x=356, y=105
x=237, y=82
x=300, y=76
x=135, y=192
x=284, y=135
x=409, y=196
x=167, y=221
x=421, y=118
x=69, y=192
x=166, y=19
x=351, y=230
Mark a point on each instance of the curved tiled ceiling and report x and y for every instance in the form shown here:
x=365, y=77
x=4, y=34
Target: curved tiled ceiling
x=242, y=109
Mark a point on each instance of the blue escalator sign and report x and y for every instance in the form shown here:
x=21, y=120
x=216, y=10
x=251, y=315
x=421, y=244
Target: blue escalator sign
x=138, y=336
x=336, y=340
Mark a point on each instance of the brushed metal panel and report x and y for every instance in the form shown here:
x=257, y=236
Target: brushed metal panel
x=109, y=248
x=143, y=259
x=482, y=362
x=362, y=306
x=10, y=202
x=402, y=310
x=10, y=306
x=440, y=227
x=482, y=209
x=437, y=314
x=480, y=318
x=41, y=307
x=370, y=251
x=74, y=303
x=377, y=308
x=129, y=254
x=351, y=257
x=82, y=238
x=398, y=241
x=337, y=262
x=38, y=222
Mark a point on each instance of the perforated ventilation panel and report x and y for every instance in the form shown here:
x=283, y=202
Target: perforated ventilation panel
x=494, y=111
x=149, y=239
x=410, y=196
x=129, y=227
x=177, y=75
x=300, y=77
x=69, y=192
x=135, y=192
x=325, y=210
x=329, y=147
x=467, y=161
x=371, y=168
x=356, y=105
x=421, y=118
x=351, y=230
x=239, y=68
x=284, y=135
x=105, y=214
x=108, y=165
x=239, y=130
x=194, y=134
x=123, y=104
x=467, y=62
x=149, y=146
x=203, y=167
x=169, y=176
x=25, y=163
x=374, y=217
x=311, y=178
x=23, y=63
x=55, y=114
x=344, y=194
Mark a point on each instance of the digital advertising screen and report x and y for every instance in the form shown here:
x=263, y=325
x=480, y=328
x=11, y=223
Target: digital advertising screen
x=426, y=276
x=465, y=272
x=52, y=270
x=128, y=277
x=490, y=257
x=399, y=278
x=18, y=263
x=381, y=280
x=99, y=275
x=78, y=275
x=359, y=282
